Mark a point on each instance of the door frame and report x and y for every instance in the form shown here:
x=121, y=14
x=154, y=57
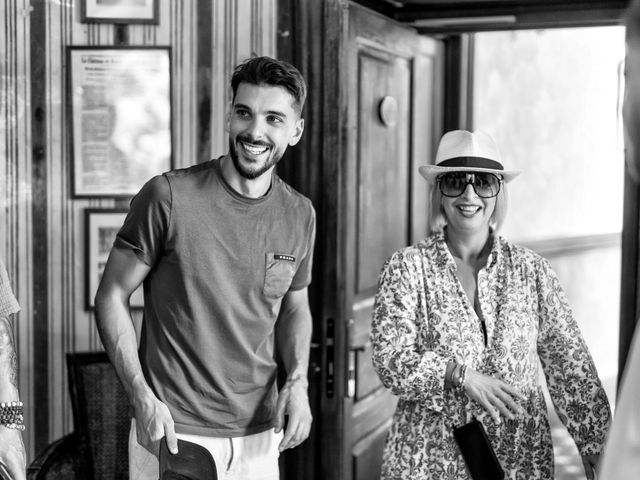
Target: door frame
x=312, y=36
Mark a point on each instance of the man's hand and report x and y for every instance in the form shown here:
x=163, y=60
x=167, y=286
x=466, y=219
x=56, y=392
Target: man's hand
x=12, y=453
x=154, y=421
x=293, y=401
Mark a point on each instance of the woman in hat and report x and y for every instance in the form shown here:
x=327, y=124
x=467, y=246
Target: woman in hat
x=461, y=323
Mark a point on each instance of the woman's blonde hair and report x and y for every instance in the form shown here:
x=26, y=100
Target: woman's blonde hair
x=438, y=220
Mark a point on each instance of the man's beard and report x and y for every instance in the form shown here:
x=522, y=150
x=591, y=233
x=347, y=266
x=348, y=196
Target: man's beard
x=247, y=173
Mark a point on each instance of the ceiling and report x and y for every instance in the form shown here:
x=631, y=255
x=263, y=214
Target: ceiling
x=454, y=16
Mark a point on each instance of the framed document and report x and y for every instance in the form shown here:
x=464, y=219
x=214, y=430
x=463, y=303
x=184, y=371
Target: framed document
x=101, y=228
x=120, y=109
x=119, y=11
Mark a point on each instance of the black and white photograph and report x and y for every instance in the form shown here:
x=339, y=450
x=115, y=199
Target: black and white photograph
x=121, y=114
x=120, y=11
x=320, y=239
x=101, y=228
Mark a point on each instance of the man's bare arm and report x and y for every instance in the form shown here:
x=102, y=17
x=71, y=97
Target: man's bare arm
x=123, y=274
x=293, y=341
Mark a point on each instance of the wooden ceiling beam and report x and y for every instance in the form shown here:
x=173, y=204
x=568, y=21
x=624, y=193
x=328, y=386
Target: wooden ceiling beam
x=458, y=16
x=539, y=20
x=409, y=9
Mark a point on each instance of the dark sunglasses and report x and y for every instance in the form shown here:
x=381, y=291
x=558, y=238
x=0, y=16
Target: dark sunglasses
x=486, y=185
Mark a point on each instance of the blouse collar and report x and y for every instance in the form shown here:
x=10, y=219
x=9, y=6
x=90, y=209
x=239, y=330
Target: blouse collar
x=444, y=254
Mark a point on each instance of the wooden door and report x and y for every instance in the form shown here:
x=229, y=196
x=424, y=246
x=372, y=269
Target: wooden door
x=392, y=111
x=372, y=115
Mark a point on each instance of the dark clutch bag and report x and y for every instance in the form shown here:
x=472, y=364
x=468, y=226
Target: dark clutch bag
x=477, y=452
x=192, y=462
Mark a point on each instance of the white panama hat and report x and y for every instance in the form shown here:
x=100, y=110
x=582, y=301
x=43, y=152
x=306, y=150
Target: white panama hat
x=464, y=151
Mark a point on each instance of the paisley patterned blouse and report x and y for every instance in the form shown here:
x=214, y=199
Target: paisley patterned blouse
x=422, y=319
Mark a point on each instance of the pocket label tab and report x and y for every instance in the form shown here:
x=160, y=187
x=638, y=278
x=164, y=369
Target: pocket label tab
x=281, y=256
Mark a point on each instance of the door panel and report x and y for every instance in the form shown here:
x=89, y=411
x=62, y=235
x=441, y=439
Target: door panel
x=371, y=412
x=384, y=84
x=366, y=378
x=368, y=452
x=391, y=112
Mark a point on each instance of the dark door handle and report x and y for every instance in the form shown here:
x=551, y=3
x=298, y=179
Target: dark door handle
x=330, y=358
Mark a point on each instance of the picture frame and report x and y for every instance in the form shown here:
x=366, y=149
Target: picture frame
x=101, y=228
x=121, y=120
x=119, y=11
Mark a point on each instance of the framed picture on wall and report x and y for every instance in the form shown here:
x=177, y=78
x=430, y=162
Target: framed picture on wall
x=120, y=110
x=119, y=11
x=101, y=228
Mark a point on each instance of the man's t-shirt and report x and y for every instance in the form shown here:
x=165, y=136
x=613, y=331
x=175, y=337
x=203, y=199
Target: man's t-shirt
x=220, y=265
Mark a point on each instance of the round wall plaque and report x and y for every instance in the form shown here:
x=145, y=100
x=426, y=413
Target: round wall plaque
x=388, y=111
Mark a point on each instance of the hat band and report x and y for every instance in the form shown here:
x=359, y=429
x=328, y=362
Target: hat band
x=473, y=162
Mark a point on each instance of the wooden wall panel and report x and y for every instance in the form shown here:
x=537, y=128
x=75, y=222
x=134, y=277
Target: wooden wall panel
x=15, y=180
x=238, y=29
x=242, y=28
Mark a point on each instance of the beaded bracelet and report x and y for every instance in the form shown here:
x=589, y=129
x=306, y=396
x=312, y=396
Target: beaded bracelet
x=11, y=415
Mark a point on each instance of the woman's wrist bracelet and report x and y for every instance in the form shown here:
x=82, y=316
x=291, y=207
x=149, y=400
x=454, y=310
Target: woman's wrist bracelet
x=461, y=378
x=458, y=377
x=448, y=375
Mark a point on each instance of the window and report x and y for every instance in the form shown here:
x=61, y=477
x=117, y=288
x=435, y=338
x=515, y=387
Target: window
x=552, y=100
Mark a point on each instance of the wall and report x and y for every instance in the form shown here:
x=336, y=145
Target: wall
x=16, y=245
x=41, y=225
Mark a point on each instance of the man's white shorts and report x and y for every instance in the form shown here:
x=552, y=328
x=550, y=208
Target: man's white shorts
x=254, y=457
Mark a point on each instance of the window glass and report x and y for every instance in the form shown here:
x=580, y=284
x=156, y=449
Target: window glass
x=551, y=99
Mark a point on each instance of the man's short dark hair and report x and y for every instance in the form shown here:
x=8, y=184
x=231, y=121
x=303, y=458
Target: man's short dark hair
x=271, y=72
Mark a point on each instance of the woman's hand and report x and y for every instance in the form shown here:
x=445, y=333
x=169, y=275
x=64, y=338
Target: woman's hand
x=12, y=453
x=494, y=395
x=590, y=463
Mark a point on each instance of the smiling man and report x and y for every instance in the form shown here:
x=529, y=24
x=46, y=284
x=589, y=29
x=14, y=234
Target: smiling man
x=224, y=250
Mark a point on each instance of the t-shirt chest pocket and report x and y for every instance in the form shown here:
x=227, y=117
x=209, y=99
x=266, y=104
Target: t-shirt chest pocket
x=279, y=271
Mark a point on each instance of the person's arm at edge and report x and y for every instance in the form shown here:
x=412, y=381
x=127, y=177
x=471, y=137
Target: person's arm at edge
x=293, y=341
x=123, y=273
x=12, y=451
x=566, y=361
x=620, y=460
